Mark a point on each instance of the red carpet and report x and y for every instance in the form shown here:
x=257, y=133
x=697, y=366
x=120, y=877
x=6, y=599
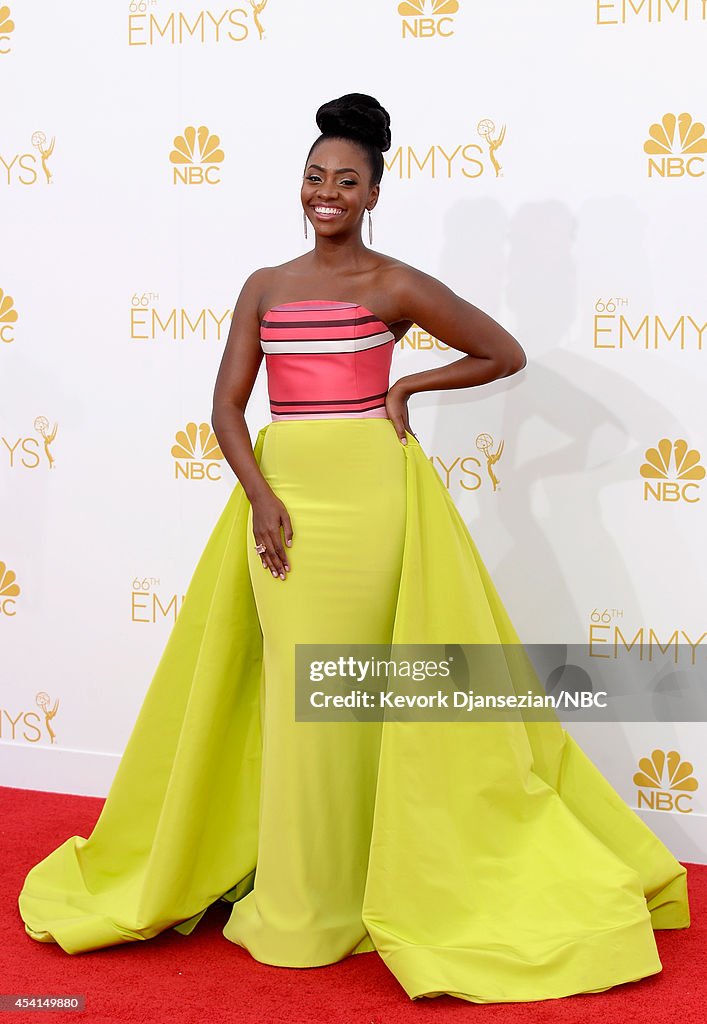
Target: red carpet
x=204, y=977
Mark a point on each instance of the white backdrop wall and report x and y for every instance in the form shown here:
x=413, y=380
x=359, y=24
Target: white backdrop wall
x=548, y=163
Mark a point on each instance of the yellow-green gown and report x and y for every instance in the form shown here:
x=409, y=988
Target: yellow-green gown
x=490, y=860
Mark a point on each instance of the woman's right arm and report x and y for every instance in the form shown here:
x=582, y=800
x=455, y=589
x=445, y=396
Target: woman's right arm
x=234, y=384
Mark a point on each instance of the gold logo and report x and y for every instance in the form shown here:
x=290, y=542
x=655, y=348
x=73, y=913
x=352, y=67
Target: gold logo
x=9, y=590
x=147, y=604
x=668, y=779
x=258, y=8
x=197, y=453
x=150, y=323
x=179, y=28
x=672, y=459
x=673, y=145
x=196, y=156
x=484, y=442
x=43, y=701
x=41, y=425
x=8, y=317
x=649, y=331
x=39, y=141
x=22, y=168
x=487, y=129
x=463, y=159
x=7, y=26
x=623, y=12
x=421, y=341
x=423, y=19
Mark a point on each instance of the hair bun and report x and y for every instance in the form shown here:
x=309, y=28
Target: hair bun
x=356, y=116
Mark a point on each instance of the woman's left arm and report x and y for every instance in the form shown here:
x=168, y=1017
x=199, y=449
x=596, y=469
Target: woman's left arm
x=491, y=352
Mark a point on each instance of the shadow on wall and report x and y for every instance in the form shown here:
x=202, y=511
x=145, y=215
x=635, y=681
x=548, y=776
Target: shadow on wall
x=525, y=270
x=575, y=423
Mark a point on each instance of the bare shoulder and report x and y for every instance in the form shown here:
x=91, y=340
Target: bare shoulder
x=406, y=284
x=272, y=282
x=261, y=283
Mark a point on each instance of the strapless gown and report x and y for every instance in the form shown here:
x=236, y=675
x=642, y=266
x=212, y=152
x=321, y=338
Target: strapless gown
x=488, y=860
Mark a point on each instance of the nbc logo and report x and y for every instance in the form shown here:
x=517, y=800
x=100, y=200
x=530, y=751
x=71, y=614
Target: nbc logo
x=9, y=590
x=676, y=459
x=665, y=782
x=8, y=317
x=197, y=156
x=196, y=453
x=423, y=19
x=7, y=26
x=673, y=147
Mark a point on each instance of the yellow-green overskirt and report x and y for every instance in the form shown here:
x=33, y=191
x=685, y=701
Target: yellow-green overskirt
x=502, y=865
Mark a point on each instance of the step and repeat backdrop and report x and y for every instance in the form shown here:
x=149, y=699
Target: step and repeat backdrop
x=548, y=163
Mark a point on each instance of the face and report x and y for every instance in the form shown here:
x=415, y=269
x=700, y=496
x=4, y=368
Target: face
x=336, y=188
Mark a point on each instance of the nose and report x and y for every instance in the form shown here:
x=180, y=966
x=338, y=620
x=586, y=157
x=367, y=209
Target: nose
x=327, y=189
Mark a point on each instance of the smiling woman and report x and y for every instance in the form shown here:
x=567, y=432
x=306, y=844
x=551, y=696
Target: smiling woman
x=488, y=860
x=352, y=117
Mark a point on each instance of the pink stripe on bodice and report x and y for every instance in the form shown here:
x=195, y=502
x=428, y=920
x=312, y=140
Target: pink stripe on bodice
x=326, y=359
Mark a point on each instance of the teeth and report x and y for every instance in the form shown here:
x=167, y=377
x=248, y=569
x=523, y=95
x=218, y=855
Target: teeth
x=327, y=209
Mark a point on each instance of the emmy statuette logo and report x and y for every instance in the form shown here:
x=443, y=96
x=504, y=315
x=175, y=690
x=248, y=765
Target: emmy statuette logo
x=17, y=725
x=484, y=443
x=487, y=130
x=21, y=168
x=24, y=452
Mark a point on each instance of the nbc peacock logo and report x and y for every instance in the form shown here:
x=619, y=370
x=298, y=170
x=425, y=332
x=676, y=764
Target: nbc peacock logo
x=426, y=19
x=671, y=472
x=8, y=318
x=197, y=157
x=665, y=782
x=675, y=146
x=9, y=591
x=196, y=453
x=7, y=27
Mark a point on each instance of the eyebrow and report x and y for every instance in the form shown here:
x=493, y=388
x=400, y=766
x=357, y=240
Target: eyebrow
x=339, y=170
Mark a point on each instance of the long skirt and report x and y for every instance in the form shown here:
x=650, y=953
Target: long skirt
x=490, y=860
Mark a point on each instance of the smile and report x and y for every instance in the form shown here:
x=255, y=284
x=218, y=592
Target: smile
x=328, y=211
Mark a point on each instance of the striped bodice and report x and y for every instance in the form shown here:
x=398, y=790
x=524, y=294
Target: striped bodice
x=326, y=359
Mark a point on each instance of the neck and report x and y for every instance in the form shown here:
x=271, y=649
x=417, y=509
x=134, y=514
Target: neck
x=334, y=254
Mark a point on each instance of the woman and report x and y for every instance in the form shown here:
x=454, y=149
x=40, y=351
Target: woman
x=489, y=860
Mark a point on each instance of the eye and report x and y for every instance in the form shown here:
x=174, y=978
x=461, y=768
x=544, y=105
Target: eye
x=348, y=181
x=313, y=177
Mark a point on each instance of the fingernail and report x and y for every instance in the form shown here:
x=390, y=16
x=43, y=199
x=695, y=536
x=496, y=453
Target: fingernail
x=404, y=440
x=282, y=575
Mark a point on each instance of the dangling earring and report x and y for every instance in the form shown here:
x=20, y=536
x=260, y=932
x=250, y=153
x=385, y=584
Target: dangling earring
x=370, y=229
x=305, y=223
